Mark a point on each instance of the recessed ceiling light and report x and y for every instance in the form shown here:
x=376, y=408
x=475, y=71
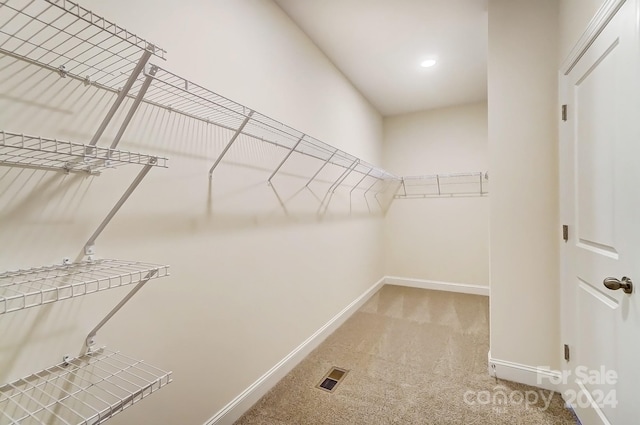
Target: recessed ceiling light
x=428, y=63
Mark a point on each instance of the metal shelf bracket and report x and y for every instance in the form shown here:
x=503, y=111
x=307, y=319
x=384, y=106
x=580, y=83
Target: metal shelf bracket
x=90, y=340
x=324, y=164
x=285, y=159
x=346, y=174
x=89, y=247
x=142, y=62
x=360, y=181
x=136, y=103
x=228, y=146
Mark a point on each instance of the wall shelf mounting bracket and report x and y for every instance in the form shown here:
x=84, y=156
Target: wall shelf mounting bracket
x=285, y=159
x=122, y=94
x=89, y=247
x=228, y=146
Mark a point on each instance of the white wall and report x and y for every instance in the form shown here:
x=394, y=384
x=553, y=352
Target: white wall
x=523, y=159
x=250, y=279
x=442, y=239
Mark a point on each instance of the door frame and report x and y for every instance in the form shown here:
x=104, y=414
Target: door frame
x=602, y=17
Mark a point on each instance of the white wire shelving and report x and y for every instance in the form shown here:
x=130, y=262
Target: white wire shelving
x=85, y=390
x=176, y=94
x=64, y=37
x=20, y=150
x=23, y=289
x=444, y=185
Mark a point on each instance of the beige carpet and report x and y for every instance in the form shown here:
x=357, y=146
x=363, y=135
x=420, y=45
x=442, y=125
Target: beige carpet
x=414, y=357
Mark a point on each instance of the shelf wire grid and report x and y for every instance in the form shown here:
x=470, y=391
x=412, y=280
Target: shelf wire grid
x=444, y=185
x=62, y=36
x=23, y=289
x=86, y=390
x=44, y=153
x=176, y=94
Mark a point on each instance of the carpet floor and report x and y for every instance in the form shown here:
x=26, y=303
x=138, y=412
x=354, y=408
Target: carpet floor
x=413, y=356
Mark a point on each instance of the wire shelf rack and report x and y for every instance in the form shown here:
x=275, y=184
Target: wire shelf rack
x=64, y=37
x=444, y=185
x=23, y=289
x=86, y=390
x=176, y=94
x=39, y=152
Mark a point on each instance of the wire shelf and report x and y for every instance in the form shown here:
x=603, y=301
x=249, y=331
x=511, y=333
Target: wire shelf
x=62, y=36
x=444, y=185
x=86, y=390
x=21, y=150
x=44, y=285
x=176, y=94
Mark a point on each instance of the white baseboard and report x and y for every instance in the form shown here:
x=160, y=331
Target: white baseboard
x=243, y=402
x=529, y=375
x=464, y=288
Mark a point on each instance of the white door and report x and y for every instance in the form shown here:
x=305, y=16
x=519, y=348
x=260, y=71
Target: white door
x=600, y=187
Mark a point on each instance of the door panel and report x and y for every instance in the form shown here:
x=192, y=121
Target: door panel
x=600, y=180
x=595, y=103
x=596, y=347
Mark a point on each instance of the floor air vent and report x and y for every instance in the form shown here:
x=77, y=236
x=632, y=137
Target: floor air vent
x=332, y=379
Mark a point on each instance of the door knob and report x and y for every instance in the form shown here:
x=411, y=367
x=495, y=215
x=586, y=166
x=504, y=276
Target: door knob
x=614, y=284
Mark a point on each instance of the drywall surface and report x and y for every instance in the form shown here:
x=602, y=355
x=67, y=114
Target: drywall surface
x=441, y=239
x=575, y=16
x=523, y=159
x=255, y=269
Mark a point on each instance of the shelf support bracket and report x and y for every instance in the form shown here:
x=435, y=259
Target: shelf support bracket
x=371, y=187
x=285, y=159
x=345, y=175
x=90, y=340
x=394, y=195
x=386, y=185
x=121, y=96
x=361, y=180
x=233, y=139
x=89, y=246
x=335, y=184
x=324, y=164
x=339, y=179
x=136, y=104
x=404, y=187
x=400, y=184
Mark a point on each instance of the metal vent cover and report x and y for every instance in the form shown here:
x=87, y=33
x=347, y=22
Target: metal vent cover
x=331, y=380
